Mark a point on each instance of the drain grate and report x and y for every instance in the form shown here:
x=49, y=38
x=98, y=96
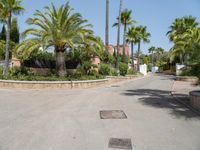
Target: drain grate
x=115, y=86
x=120, y=143
x=112, y=114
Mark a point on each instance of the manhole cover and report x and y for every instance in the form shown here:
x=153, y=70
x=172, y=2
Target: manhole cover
x=112, y=114
x=120, y=143
x=115, y=86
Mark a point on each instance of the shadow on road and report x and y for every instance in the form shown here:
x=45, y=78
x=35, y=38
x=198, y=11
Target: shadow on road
x=162, y=99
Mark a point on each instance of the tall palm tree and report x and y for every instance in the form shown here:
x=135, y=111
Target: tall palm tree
x=159, y=52
x=131, y=37
x=143, y=36
x=57, y=28
x=181, y=25
x=151, y=51
x=118, y=33
x=126, y=20
x=178, y=31
x=107, y=23
x=7, y=9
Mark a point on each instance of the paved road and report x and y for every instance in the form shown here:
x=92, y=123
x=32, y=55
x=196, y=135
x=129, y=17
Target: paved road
x=69, y=119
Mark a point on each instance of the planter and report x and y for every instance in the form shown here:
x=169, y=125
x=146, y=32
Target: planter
x=51, y=84
x=195, y=99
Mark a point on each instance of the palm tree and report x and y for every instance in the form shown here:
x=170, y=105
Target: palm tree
x=107, y=23
x=126, y=20
x=143, y=36
x=118, y=34
x=181, y=25
x=131, y=37
x=152, y=50
x=159, y=52
x=7, y=9
x=59, y=29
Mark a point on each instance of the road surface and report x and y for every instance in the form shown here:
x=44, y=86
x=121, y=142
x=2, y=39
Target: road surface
x=70, y=120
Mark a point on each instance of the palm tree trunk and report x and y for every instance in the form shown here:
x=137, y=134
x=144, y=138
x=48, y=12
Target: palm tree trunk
x=107, y=23
x=138, y=63
x=6, y=67
x=124, y=44
x=118, y=35
x=60, y=63
x=132, y=54
x=152, y=57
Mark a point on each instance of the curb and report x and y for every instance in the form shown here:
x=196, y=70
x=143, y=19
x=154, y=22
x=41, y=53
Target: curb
x=181, y=102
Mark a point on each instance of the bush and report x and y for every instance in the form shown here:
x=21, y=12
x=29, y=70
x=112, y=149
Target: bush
x=104, y=69
x=1, y=70
x=132, y=71
x=123, y=68
x=18, y=71
x=113, y=72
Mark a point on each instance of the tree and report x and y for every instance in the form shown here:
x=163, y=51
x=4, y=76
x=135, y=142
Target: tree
x=177, y=34
x=14, y=32
x=180, y=26
x=152, y=50
x=57, y=28
x=126, y=20
x=7, y=9
x=107, y=24
x=143, y=36
x=3, y=33
x=118, y=34
x=131, y=37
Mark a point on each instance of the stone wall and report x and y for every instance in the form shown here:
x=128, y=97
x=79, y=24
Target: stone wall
x=63, y=84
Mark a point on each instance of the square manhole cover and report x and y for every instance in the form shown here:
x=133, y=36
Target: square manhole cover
x=112, y=114
x=120, y=143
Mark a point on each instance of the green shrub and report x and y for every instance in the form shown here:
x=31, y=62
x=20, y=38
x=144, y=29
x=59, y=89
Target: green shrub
x=113, y=72
x=123, y=68
x=18, y=71
x=1, y=70
x=104, y=69
x=132, y=71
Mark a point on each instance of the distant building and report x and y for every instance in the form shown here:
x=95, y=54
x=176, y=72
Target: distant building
x=111, y=49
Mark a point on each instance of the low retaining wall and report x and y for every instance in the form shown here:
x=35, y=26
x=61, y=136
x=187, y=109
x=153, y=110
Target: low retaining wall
x=51, y=84
x=195, y=99
x=187, y=79
x=62, y=84
x=114, y=79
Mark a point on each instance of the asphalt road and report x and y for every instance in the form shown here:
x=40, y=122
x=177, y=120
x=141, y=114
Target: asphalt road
x=70, y=120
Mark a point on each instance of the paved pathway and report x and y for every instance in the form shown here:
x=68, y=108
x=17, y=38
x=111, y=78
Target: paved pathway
x=69, y=119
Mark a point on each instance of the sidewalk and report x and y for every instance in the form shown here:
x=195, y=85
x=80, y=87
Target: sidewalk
x=180, y=91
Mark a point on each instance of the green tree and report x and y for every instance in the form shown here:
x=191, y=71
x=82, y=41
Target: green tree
x=152, y=50
x=58, y=28
x=132, y=38
x=143, y=36
x=3, y=33
x=14, y=32
x=7, y=9
x=180, y=26
x=126, y=20
x=118, y=33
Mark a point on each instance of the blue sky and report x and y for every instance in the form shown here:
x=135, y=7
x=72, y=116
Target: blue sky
x=157, y=15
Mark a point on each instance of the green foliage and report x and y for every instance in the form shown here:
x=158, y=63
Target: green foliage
x=1, y=71
x=2, y=49
x=104, y=69
x=87, y=68
x=146, y=60
x=19, y=71
x=14, y=32
x=3, y=33
x=113, y=72
x=123, y=68
x=132, y=71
